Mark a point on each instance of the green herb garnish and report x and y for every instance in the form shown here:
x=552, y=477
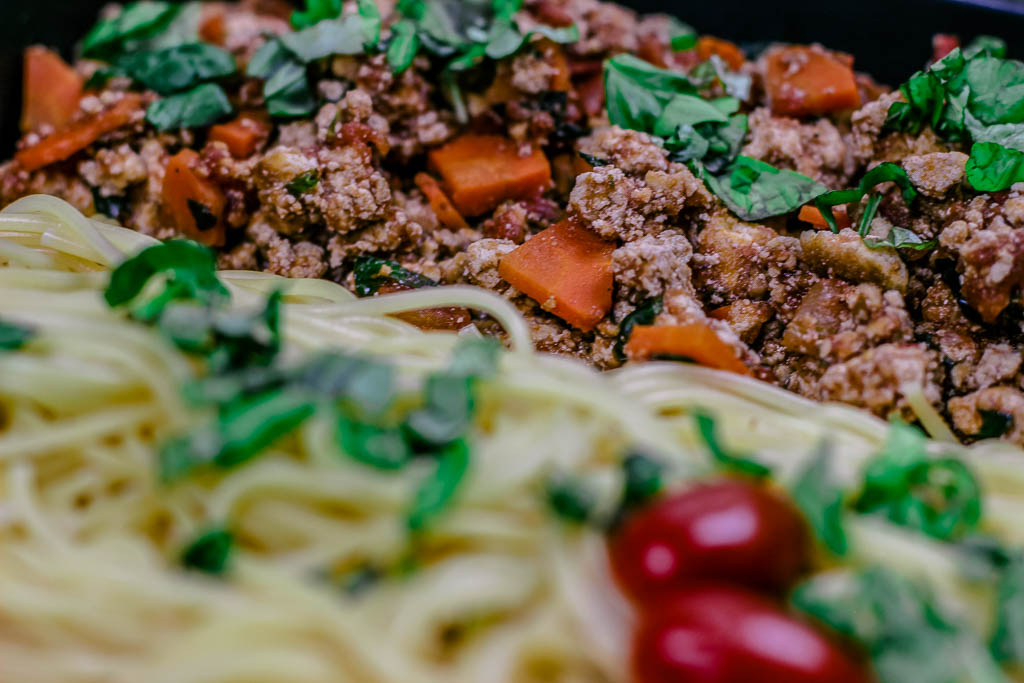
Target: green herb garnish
x=645, y=314
x=12, y=336
x=137, y=21
x=437, y=491
x=754, y=190
x=372, y=273
x=210, y=552
x=570, y=499
x=821, y=501
x=994, y=424
x=643, y=479
x=316, y=11
x=303, y=183
x=201, y=106
x=939, y=497
x=739, y=463
x=177, y=68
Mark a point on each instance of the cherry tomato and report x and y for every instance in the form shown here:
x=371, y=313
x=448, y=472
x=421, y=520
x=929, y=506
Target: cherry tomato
x=719, y=633
x=730, y=531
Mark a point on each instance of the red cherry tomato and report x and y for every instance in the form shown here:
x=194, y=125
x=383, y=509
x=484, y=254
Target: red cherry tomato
x=730, y=531
x=719, y=633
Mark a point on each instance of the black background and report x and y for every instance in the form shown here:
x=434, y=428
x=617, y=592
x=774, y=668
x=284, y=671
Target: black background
x=890, y=38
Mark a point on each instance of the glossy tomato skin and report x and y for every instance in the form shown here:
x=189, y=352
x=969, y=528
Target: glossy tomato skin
x=729, y=530
x=719, y=633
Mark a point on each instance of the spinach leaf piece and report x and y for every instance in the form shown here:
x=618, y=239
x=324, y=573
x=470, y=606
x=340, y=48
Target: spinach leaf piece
x=754, y=190
x=821, y=501
x=643, y=479
x=303, y=183
x=382, y=448
x=333, y=37
x=645, y=314
x=900, y=626
x=201, y=106
x=178, y=68
x=937, y=496
x=883, y=173
x=740, y=463
x=994, y=424
x=210, y=552
x=901, y=238
x=436, y=493
x=315, y=12
x=570, y=499
x=993, y=167
x=681, y=36
x=405, y=43
x=638, y=92
x=191, y=271
x=372, y=273
x=989, y=46
x=137, y=20
x=13, y=336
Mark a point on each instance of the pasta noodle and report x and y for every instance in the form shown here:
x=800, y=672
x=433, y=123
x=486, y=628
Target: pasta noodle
x=90, y=584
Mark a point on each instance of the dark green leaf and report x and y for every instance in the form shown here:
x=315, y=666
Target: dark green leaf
x=740, y=463
x=12, y=336
x=136, y=20
x=405, y=43
x=210, y=552
x=994, y=424
x=821, y=501
x=303, y=183
x=642, y=479
x=645, y=314
x=383, y=448
x=638, y=92
x=475, y=357
x=993, y=168
x=365, y=387
x=570, y=499
x=437, y=491
x=989, y=46
x=681, y=36
x=939, y=497
x=371, y=273
x=252, y=425
x=901, y=238
x=593, y=161
x=370, y=22
x=332, y=37
x=191, y=270
x=447, y=412
x=688, y=110
x=754, y=190
x=178, y=68
x=315, y=12
x=1008, y=641
x=287, y=92
x=196, y=108
x=883, y=173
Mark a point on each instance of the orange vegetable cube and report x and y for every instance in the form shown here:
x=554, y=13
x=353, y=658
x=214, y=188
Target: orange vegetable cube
x=696, y=341
x=439, y=202
x=195, y=204
x=730, y=53
x=567, y=269
x=812, y=214
x=51, y=90
x=244, y=135
x=803, y=81
x=482, y=171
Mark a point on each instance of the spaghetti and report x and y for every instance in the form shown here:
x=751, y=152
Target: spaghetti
x=91, y=587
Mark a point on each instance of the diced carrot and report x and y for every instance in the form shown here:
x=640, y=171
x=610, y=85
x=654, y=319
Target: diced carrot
x=63, y=144
x=802, y=81
x=728, y=51
x=812, y=214
x=695, y=341
x=481, y=171
x=439, y=202
x=195, y=204
x=244, y=135
x=567, y=269
x=51, y=90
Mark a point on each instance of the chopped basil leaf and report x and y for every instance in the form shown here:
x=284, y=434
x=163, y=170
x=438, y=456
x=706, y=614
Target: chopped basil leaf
x=1008, y=641
x=883, y=173
x=177, y=68
x=303, y=183
x=593, y=161
x=754, y=190
x=12, y=336
x=994, y=424
x=334, y=37
x=739, y=463
x=137, y=20
x=365, y=387
x=201, y=106
x=370, y=20
x=993, y=167
x=736, y=84
x=475, y=357
x=570, y=499
x=210, y=552
x=901, y=238
x=287, y=92
x=638, y=92
x=383, y=448
x=447, y=412
x=371, y=273
x=681, y=36
x=821, y=501
x=642, y=479
x=989, y=46
x=191, y=270
x=645, y=314
x=939, y=497
x=437, y=491
x=900, y=626
x=204, y=218
x=404, y=45
x=112, y=206
x=316, y=11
